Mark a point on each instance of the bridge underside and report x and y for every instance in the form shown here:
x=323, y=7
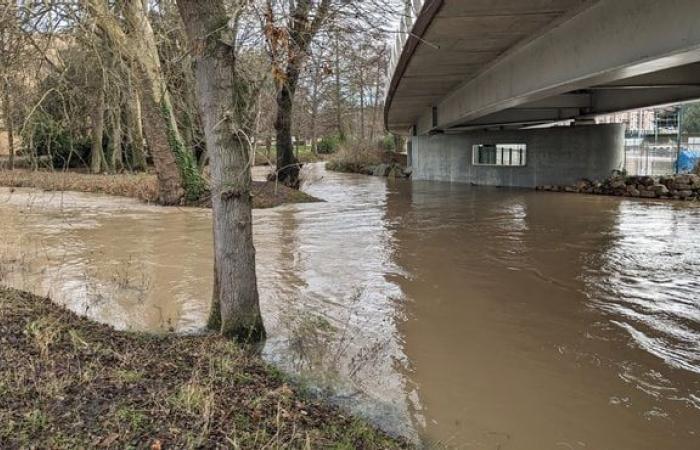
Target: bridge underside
x=476, y=64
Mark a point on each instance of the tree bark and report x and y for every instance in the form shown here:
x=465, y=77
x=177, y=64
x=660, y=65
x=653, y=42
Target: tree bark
x=225, y=106
x=116, y=158
x=375, y=104
x=170, y=187
x=135, y=131
x=338, y=92
x=302, y=31
x=287, y=164
x=98, y=123
x=9, y=124
x=314, y=107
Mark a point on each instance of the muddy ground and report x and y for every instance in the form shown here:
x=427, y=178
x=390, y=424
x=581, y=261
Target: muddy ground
x=141, y=186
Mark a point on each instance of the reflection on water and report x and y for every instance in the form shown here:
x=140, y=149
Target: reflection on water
x=472, y=317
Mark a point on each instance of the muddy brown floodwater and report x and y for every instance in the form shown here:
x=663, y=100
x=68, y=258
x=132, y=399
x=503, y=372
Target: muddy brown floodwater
x=459, y=316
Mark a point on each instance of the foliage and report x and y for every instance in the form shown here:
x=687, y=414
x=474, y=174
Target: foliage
x=191, y=178
x=355, y=157
x=328, y=144
x=49, y=137
x=387, y=143
x=691, y=118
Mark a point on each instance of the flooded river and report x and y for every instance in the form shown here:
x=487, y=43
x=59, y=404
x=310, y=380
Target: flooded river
x=463, y=317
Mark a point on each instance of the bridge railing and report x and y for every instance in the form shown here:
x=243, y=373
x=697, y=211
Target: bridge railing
x=412, y=9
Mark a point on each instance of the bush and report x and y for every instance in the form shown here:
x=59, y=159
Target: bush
x=63, y=149
x=387, y=143
x=355, y=158
x=328, y=145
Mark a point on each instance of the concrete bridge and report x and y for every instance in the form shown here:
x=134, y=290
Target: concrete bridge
x=500, y=66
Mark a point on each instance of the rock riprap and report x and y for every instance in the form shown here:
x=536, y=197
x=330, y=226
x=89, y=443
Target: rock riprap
x=673, y=187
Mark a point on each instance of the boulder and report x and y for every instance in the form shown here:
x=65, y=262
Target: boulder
x=683, y=179
x=618, y=184
x=647, y=194
x=381, y=170
x=582, y=185
x=658, y=189
x=647, y=181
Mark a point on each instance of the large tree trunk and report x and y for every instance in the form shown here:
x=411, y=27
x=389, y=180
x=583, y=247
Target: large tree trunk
x=287, y=164
x=9, y=125
x=170, y=188
x=98, y=124
x=224, y=102
x=155, y=86
x=135, y=131
x=117, y=160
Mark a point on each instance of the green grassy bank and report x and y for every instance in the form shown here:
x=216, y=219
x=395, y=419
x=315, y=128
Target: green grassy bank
x=67, y=382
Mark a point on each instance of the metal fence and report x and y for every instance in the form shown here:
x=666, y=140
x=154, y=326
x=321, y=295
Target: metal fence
x=643, y=158
x=650, y=159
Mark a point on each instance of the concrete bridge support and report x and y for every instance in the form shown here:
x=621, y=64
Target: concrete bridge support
x=555, y=156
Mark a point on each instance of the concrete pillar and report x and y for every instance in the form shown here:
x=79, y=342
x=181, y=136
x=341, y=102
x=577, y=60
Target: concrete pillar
x=558, y=156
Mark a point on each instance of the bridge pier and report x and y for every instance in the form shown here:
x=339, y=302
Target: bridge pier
x=556, y=156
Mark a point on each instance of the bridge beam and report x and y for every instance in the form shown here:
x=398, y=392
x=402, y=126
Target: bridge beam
x=608, y=42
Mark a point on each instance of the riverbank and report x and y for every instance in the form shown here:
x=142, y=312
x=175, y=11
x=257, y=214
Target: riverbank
x=68, y=382
x=369, y=162
x=670, y=187
x=142, y=186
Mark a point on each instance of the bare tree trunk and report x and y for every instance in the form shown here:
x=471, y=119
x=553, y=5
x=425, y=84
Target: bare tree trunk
x=9, y=124
x=338, y=92
x=98, y=123
x=314, y=107
x=135, y=131
x=362, y=104
x=287, y=164
x=224, y=102
x=116, y=158
x=375, y=105
x=170, y=190
x=174, y=163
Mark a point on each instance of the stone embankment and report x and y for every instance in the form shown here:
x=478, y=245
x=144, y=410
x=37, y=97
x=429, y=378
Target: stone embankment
x=672, y=187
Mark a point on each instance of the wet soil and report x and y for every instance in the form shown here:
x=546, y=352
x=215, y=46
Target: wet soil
x=141, y=186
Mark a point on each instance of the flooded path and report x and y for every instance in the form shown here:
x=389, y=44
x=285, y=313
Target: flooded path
x=469, y=317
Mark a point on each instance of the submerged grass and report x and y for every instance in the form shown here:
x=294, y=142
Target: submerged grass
x=141, y=186
x=67, y=382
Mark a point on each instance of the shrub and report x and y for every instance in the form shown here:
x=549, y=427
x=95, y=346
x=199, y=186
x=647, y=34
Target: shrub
x=328, y=145
x=387, y=143
x=51, y=139
x=355, y=158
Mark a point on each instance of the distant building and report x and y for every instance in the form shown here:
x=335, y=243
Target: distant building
x=646, y=122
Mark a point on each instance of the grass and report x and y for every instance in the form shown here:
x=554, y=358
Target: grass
x=141, y=186
x=67, y=382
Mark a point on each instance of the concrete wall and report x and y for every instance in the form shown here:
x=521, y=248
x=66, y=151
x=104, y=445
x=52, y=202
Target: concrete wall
x=554, y=156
